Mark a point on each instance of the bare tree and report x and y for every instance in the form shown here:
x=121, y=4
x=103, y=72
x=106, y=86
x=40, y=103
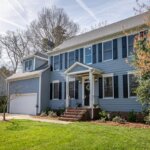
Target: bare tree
x=16, y=45
x=52, y=27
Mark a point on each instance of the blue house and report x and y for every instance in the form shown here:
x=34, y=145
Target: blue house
x=86, y=71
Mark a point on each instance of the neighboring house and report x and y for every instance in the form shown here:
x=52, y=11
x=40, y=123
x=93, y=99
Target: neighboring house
x=86, y=70
x=3, y=85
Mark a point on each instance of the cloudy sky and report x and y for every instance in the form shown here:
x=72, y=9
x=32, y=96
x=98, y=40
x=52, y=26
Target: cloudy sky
x=19, y=13
x=16, y=14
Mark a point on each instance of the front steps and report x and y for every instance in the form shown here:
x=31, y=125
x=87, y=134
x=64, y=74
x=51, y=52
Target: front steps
x=76, y=114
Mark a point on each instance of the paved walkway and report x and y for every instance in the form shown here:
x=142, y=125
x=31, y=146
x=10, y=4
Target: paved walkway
x=28, y=117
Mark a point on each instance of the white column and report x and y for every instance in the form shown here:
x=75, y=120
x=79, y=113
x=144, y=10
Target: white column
x=67, y=91
x=91, y=92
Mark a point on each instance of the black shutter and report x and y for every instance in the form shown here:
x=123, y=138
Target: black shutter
x=115, y=49
x=101, y=87
x=76, y=89
x=60, y=90
x=61, y=61
x=116, y=87
x=76, y=55
x=94, y=53
x=66, y=60
x=51, y=90
x=81, y=55
x=125, y=86
x=51, y=63
x=64, y=90
x=100, y=52
x=124, y=47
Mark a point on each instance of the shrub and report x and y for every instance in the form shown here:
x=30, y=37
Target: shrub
x=132, y=116
x=104, y=115
x=102, y=120
x=147, y=119
x=118, y=119
x=52, y=114
x=43, y=114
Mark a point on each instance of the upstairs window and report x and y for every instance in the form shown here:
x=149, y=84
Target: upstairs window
x=71, y=58
x=130, y=45
x=107, y=50
x=88, y=55
x=28, y=65
x=133, y=84
x=108, y=87
x=56, y=62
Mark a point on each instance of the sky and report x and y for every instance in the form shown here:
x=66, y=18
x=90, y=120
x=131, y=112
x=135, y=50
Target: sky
x=17, y=14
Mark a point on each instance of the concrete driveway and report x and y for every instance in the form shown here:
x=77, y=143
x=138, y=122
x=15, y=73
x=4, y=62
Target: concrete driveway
x=33, y=118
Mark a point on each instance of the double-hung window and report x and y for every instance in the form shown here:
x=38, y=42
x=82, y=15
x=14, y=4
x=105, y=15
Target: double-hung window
x=108, y=86
x=56, y=90
x=71, y=58
x=133, y=84
x=88, y=55
x=56, y=62
x=107, y=50
x=131, y=44
x=28, y=65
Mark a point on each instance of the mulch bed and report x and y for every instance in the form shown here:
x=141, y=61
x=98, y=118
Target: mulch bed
x=127, y=124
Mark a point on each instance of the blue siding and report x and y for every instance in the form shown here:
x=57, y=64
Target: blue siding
x=118, y=67
x=39, y=62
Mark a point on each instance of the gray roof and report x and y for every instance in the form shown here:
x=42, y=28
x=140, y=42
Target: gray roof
x=111, y=29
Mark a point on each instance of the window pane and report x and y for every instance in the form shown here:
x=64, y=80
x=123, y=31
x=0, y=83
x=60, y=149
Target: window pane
x=72, y=89
x=30, y=64
x=132, y=84
x=71, y=58
x=56, y=62
x=56, y=90
x=108, y=87
x=107, y=50
x=88, y=55
x=130, y=44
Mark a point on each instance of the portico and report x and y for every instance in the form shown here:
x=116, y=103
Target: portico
x=87, y=76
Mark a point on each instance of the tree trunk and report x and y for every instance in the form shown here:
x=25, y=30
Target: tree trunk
x=4, y=114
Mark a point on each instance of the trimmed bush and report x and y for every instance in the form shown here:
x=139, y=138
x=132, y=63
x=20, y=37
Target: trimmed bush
x=119, y=120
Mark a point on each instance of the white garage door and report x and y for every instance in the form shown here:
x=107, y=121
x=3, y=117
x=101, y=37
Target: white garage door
x=23, y=104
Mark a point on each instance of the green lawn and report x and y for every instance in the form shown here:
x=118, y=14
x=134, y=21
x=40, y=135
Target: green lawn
x=29, y=135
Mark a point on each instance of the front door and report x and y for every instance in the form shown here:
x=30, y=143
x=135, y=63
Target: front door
x=86, y=93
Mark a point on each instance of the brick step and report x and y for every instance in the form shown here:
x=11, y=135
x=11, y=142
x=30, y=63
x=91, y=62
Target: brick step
x=69, y=119
x=72, y=115
x=75, y=110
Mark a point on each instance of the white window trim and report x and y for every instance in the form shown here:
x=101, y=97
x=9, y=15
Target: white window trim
x=54, y=63
x=130, y=72
x=103, y=51
x=55, y=81
x=28, y=65
x=105, y=76
x=91, y=54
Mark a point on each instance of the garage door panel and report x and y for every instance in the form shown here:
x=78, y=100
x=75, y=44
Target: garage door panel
x=23, y=104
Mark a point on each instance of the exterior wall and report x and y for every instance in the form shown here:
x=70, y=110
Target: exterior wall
x=118, y=67
x=39, y=62
x=24, y=87
x=2, y=85
x=45, y=90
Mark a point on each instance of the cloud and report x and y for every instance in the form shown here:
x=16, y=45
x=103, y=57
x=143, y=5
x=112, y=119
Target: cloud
x=87, y=9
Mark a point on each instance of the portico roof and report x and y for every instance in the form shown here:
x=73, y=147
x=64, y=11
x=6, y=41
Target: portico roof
x=80, y=68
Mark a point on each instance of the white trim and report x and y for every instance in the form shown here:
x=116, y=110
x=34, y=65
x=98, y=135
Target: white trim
x=130, y=73
x=34, y=63
x=75, y=64
x=105, y=76
x=78, y=72
x=46, y=59
x=55, y=81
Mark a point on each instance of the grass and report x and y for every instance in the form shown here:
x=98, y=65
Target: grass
x=29, y=135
